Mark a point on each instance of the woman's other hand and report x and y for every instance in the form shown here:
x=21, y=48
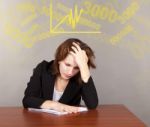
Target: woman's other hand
x=59, y=107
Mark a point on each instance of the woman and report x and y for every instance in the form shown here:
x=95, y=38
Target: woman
x=61, y=83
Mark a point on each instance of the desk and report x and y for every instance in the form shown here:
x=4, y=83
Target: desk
x=103, y=116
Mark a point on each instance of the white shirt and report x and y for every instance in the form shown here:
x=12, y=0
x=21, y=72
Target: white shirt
x=57, y=94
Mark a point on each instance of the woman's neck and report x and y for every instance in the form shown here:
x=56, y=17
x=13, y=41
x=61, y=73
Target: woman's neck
x=60, y=84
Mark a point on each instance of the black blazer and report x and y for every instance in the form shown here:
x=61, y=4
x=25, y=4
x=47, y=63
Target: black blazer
x=41, y=86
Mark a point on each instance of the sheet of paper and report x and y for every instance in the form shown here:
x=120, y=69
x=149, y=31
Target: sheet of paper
x=81, y=109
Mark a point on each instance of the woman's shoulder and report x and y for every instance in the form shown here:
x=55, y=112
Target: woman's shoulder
x=44, y=65
x=45, y=62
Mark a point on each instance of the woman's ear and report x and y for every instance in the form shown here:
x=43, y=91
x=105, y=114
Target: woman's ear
x=59, y=62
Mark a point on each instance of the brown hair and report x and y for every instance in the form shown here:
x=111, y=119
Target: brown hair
x=64, y=49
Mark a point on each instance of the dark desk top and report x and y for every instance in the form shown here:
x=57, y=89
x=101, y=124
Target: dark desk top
x=103, y=116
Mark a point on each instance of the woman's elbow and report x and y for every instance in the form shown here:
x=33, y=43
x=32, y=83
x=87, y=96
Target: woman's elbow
x=24, y=102
x=93, y=105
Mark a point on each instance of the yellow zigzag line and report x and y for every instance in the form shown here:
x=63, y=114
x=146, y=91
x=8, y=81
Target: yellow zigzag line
x=73, y=20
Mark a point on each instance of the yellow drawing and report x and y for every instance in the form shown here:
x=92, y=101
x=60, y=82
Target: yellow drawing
x=100, y=11
x=124, y=32
x=73, y=21
x=129, y=12
x=84, y=21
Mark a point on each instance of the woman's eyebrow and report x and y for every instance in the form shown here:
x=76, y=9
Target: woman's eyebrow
x=71, y=65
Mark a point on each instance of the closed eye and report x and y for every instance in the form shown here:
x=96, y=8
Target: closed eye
x=76, y=68
x=67, y=64
x=70, y=65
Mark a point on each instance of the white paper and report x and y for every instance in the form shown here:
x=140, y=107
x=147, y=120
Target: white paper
x=81, y=109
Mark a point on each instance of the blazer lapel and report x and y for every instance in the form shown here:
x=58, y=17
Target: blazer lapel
x=48, y=81
x=69, y=92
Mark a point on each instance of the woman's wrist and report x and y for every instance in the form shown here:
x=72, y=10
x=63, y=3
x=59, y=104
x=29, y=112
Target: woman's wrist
x=85, y=73
x=48, y=104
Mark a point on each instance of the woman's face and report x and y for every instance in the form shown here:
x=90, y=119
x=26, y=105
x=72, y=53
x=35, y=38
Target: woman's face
x=68, y=67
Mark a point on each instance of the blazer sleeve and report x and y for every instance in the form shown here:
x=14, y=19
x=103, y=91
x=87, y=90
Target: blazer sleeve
x=89, y=94
x=32, y=95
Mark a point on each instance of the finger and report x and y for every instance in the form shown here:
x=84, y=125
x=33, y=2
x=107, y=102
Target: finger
x=75, y=109
x=72, y=53
x=69, y=110
x=77, y=46
x=75, y=49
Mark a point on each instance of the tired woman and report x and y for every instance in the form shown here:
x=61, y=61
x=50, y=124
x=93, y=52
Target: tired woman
x=61, y=83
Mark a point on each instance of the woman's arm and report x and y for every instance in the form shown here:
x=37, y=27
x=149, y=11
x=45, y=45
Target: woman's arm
x=32, y=96
x=89, y=94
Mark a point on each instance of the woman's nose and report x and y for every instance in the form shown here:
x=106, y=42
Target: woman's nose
x=70, y=72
